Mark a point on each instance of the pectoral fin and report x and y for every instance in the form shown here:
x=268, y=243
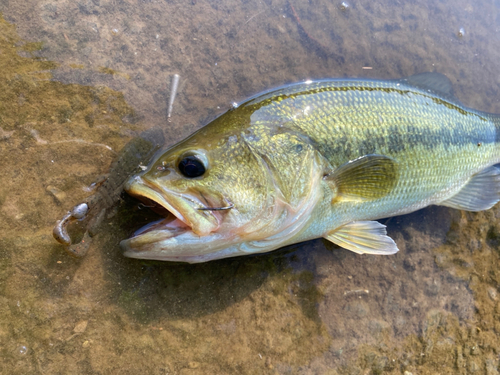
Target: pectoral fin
x=480, y=193
x=364, y=237
x=366, y=178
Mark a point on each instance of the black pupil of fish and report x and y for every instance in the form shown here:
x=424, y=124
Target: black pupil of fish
x=191, y=167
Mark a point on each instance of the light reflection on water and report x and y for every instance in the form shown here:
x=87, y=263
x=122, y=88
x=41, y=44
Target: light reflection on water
x=310, y=308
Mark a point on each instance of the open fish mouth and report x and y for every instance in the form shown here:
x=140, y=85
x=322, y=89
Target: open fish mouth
x=183, y=214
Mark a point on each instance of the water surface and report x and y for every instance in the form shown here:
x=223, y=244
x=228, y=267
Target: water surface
x=79, y=79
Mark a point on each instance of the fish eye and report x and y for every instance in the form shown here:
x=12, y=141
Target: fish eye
x=191, y=166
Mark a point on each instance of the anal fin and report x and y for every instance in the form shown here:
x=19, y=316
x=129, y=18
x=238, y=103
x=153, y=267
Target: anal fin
x=364, y=237
x=480, y=193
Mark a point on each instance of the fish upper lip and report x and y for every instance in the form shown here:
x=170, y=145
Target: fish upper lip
x=139, y=187
x=200, y=224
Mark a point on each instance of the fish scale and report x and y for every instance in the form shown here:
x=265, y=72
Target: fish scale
x=424, y=127
x=321, y=159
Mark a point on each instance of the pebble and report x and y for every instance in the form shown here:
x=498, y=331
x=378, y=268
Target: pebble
x=474, y=367
x=81, y=326
x=432, y=287
x=491, y=367
x=474, y=245
x=344, y=6
x=58, y=194
x=475, y=350
x=492, y=293
x=4, y=135
x=268, y=363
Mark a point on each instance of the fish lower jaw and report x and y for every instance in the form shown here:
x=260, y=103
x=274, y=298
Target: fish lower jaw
x=225, y=253
x=179, y=246
x=166, y=253
x=182, y=245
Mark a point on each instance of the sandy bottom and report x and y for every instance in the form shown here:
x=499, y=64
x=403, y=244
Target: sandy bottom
x=80, y=79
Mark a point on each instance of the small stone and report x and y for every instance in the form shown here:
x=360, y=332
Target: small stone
x=408, y=373
x=81, y=326
x=473, y=367
x=474, y=244
x=268, y=363
x=344, y=6
x=4, y=135
x=432, y=288
x=492, y=292
x=460, y=358
x=58, y=194
x=86, y=344
x=491, y=367
x=475, y=350
x=193, y=365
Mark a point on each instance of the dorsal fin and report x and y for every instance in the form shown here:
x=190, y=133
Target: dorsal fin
x=435, y=82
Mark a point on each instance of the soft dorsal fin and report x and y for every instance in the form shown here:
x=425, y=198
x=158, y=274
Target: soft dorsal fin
x=366, y=178
x=363, y=237
x=435, y=82
x=480, y=193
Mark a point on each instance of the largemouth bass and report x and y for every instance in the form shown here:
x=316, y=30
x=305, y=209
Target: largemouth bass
x=317, y=159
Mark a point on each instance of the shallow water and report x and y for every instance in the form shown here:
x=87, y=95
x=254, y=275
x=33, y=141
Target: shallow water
x=81, y=78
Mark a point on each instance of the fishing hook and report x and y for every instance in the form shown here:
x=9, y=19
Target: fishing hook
x=231, y=205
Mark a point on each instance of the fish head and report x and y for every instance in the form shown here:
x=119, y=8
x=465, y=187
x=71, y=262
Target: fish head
x=221, y=191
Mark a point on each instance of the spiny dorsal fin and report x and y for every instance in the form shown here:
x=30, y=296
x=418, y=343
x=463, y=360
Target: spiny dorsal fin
x=480, y=193
x=436, y=82
x=366, y=178
x=364, y=237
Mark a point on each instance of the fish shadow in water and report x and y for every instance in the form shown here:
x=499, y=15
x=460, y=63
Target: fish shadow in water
x=150, y=290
